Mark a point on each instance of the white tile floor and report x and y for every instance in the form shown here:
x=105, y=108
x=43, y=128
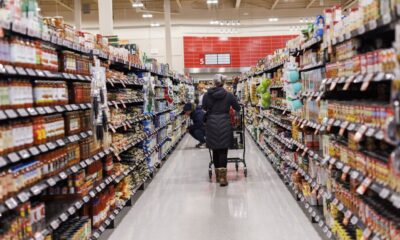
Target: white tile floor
x=181, y=204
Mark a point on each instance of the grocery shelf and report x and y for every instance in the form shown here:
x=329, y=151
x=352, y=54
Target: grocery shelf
x=166, y=110
x=125, y=83
x=34, y=74
x=285, y=110
x=278, y=122
x=312, y=212
x=360, y=128
x=274, y=67
x=127, y=124
x=124, y=102
x=331, y=84
x=311, y=67
x=313, y=42
x=372, y=27
x=9, y=114
x=29, y=192
x=276, y=87
x=72, y=208
x=22, y=30
x=26, y=153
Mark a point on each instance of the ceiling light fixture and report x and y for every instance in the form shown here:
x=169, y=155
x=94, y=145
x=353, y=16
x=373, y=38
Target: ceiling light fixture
x=214, y=22
x=154, y=24
x=212, y=1
x=38, y=9
x=273, y=19
x=301, y=20
x=147, y=15
x=137, y=4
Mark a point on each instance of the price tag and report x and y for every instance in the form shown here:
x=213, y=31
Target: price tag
x=387, y=18
x=384, y=193
x=23, y=197
x=82, y=164
x=107, y=222
x=395, y=199
x=13, y=157
x=372, y=24
x=51, y=182
x=101, y=229
x=366, y=233
x=71, y=210
x=354, y=220
x=40, y=110
x=92, y=193
x=89, y=161
x=71, y=139
x=10, y=113
x=354, y=174
x=63, y=175
x=361, y=30
x=51, y=145
x=351, y=127
x=22, y=112
x=74, y=107
x=360, y=133
x=24, y=154
x=34, y=151
x=21, y=71
x=321, y=223
x=370, y=132
x=63, y=217
x=333, y=84
x=55, y=224
x=340, y=207
x=339, y=165
x=78, y=205
x=343, y=127
x=364, y=186
x=366, y=81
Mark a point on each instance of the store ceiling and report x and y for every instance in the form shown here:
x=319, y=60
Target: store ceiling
x=185, y=7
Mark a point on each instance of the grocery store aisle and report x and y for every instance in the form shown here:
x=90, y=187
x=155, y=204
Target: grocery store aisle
x=182, y=204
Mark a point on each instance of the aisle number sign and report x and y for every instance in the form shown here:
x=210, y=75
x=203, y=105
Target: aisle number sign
x=216, y=59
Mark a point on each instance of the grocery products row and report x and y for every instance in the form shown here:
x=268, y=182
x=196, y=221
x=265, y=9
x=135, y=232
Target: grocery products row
x=327, y=118
x=83, y=125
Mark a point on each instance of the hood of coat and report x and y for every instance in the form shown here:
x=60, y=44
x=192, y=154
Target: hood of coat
x=217, y=92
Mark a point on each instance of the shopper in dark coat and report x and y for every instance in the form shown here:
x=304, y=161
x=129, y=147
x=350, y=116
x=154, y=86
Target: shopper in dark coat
x=196, y=130
x=217, y=103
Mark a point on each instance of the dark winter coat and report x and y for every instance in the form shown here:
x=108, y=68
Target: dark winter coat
x=197, y=117
x=217, y=102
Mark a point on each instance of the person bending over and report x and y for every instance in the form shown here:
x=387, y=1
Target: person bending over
x=196, y=130
x=217, y=103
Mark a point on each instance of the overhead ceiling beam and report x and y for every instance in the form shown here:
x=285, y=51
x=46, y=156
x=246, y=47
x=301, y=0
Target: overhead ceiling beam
x=179, y=4
x=64, y=5
x=274, y=5
x=237, y=6
x=310, y=3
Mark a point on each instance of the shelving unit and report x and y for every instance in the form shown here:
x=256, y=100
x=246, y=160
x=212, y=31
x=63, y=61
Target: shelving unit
x=74, y=167
x=338, y=153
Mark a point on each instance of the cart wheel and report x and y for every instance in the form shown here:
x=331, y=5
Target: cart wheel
x=210, y=173
x=245, y=172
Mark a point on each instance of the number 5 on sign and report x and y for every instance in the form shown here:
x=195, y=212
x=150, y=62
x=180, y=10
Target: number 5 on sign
x=202, y=61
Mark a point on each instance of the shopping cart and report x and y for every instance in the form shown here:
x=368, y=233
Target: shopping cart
x=238, y=142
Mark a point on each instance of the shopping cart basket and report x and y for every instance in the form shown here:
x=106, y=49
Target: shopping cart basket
x=238, y=142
